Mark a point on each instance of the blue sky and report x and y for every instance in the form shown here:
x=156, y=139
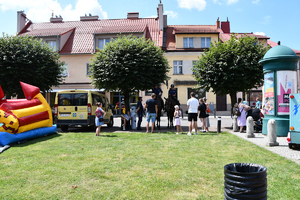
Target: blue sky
x=276, y=19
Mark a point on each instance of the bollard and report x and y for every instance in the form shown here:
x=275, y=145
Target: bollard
x=272, y=133
x=250, y=127
x=219, y=125
x=215, y=113
x=235, y=124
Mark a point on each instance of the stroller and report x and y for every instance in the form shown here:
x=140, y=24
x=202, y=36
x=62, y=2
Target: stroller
x=257, y=118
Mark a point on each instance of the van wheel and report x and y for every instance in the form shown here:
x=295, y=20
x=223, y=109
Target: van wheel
x=64, y=128
x=111, y=122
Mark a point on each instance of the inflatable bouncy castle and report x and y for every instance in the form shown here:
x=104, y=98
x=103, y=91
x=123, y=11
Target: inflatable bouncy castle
x=22, y=119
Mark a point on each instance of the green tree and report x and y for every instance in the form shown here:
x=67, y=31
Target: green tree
x=28, y=60
x=129, y=64
x=232, y=66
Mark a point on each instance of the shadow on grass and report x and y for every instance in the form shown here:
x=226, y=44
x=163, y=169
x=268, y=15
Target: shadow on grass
x=35, y=140
x=106, y=136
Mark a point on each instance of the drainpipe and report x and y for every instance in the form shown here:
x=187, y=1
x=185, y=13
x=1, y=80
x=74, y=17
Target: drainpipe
x=58, y=45
x=94, y=43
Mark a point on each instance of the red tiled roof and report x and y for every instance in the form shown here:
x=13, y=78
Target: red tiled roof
x=273, y=44
x=46, y=32
x=122, y=29
x=191, y=29
x=226, y=36
x=82, y=38
x=195, y=29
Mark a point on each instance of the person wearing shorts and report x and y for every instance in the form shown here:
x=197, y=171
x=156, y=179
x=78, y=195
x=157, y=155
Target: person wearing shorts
x=151, y=106
x=192, y=106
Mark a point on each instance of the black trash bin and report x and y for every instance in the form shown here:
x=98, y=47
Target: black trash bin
x=245, y=181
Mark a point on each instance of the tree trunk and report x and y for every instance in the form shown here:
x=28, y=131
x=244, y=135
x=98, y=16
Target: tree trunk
x=126, y=99
x=233, y=99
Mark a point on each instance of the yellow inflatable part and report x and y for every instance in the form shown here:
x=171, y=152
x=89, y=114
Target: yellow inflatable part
x=29, y=111
x=48, y=108
x=35, y=125
x=10, y=123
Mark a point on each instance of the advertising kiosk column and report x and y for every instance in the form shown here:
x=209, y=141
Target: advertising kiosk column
x=280, y=80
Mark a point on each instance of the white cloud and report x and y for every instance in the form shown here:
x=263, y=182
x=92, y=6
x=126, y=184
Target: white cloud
x=266, y=20
x=41, y=10
x=189, y=4
x=260, y=33
x=231, y=1
x=255, y=1
x=171, y=14
x=217, y=2
x=152, y=16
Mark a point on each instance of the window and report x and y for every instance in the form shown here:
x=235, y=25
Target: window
x=199, y=93
x=88, y=69
x=177, y=65
x=102, y=43
x=205, y=42
x=65, y=71
x=188, y=43
x=96, y=99
x=148, y=92
x=195, y=62
x=52, y=44
x=78, y=99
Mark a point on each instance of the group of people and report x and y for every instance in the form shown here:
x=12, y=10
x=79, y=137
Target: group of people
x=197, y=109
x=243, y=109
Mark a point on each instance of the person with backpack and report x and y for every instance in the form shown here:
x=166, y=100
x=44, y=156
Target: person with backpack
x=99, y=121
x=241, y=114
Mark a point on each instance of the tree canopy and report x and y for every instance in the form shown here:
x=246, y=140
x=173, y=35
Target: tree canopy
x=129, y=64
x=28, y=60
x=232, y=66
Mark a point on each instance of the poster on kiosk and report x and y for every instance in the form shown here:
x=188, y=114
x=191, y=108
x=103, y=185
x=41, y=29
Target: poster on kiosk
x=286, y=85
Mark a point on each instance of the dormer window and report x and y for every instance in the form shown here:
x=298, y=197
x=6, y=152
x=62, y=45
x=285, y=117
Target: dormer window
x=103, y=42
x=188, y=42
x=205, y=42
x=52, y=44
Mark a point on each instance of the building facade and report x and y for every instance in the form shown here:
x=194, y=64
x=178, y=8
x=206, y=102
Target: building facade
x=76, y=41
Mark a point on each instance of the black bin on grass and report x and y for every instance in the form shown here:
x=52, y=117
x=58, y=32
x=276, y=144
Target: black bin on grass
x=245, y=181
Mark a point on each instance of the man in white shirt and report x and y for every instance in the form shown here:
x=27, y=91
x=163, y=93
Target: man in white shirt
x=192, y=106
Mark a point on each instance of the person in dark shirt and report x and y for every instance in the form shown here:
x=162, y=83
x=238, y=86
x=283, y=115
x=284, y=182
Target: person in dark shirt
x=173, y=94
x=140, y=112
x=151, y=106
x=156, y=90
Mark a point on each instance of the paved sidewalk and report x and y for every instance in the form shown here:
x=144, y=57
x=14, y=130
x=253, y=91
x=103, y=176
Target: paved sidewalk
x=226, y=122
x=282, y=150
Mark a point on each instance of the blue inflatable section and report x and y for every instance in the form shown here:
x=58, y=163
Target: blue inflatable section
x=8, y=138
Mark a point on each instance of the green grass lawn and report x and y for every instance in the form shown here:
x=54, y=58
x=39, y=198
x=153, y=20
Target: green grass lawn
x=136, y=166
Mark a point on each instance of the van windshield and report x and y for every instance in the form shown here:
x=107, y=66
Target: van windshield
x=72, y=99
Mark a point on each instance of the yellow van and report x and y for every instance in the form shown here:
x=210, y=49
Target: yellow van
x=77, y=107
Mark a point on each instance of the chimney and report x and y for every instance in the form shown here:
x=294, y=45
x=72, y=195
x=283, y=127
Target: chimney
x=56, y=19
x=160, y=12
x=21, y=20
x=89, y=18
x=132, y=15
x=218, y=23
x=225, y=26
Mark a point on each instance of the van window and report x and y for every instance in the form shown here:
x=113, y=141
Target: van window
x=77, y=99
x=104, y=101
x=96, y=99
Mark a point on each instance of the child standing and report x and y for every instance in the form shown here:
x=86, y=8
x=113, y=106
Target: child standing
x=177, y=115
